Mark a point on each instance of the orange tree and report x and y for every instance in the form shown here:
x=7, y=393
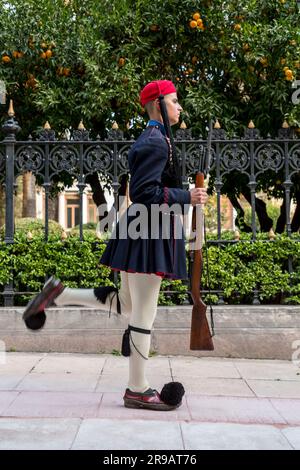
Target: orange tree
x=66, y=60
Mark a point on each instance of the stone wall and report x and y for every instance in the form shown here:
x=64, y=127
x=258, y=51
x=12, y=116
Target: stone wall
x=261, y=332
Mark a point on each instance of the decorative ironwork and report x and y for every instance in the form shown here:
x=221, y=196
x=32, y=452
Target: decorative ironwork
x=47, y=135
x=98, y=158
x=234, y=156
x=81, y=135
x=194, y=155
x=218, y=134
x=29, y=158
x=295, y=158
x=184, y=134
x=286, y=133
x=115, y=134
x=251, y=133
x=269, y=157
x=64, y=158
x=79, y=157
x=123, y=166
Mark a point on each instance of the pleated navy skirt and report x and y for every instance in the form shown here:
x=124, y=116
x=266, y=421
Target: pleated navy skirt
x=164, y=257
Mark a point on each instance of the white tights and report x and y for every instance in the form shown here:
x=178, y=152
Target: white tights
x=138, y=296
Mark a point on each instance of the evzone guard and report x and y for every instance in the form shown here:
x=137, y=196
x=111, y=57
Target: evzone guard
x=143, y=261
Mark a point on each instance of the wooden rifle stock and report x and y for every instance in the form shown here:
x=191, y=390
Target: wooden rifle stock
x=200, y=339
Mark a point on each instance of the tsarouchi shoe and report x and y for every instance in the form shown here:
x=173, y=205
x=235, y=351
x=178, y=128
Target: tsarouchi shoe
x=150, y=400
x=34, y=314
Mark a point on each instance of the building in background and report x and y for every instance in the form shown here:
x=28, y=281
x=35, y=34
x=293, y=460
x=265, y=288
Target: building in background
x=68, y=210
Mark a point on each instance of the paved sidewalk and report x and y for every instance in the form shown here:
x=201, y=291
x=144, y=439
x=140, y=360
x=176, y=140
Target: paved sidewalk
x=74, y=401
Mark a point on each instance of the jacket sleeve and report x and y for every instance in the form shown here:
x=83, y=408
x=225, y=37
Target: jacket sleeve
x=149, y=160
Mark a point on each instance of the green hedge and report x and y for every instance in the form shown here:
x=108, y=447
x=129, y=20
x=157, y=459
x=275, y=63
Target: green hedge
x=236, y=268
x=36, y=227
x=239, y=268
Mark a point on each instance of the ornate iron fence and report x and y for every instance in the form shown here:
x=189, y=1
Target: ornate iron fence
x=46, y=157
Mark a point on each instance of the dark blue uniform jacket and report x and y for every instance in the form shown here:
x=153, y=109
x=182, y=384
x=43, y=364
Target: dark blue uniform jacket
x=151, y=184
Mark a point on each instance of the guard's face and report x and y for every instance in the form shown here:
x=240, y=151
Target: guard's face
x=173, y=108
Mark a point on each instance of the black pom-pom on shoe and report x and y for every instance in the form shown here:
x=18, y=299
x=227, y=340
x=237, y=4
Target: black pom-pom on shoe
x=101, y=294
x=34, y=314
x=36, y=322
x=172, y=393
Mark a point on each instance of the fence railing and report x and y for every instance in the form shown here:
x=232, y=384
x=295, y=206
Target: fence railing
x=249, y=158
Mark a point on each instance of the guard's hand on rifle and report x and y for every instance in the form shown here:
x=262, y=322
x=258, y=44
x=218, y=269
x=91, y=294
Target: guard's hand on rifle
x=198, y=196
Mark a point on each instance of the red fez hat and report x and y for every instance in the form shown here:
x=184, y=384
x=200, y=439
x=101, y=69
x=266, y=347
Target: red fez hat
x=153, y=89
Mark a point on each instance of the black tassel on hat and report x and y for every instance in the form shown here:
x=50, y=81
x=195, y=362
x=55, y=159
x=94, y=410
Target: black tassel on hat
x=126, y=343
x=172, y=393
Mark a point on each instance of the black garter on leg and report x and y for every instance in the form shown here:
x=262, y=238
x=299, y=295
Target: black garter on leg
x=126, y=340
x=101, y=294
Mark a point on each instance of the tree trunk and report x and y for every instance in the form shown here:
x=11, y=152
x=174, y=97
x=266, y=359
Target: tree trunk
x=240, y=220
x=53, y=208
x=266, y=223
x=282, y=218
x=295, y=225
x=98, y=193
x=123, y=186
x=29, y=202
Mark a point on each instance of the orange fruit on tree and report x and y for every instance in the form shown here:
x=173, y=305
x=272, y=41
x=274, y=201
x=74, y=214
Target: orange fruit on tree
x=193, y=24
x=121, y=62
x=289, y=75
x=31, y=82
x=67, y=71
x=196, y=16
x=237, y=27
x=43, y=55
x=199, y=22
x=6, y=59
x=15, y=54
x=263, y=61
x=48, y=53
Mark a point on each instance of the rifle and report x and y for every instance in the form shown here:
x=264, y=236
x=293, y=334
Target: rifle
x=200, y=338
x=200, y=333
